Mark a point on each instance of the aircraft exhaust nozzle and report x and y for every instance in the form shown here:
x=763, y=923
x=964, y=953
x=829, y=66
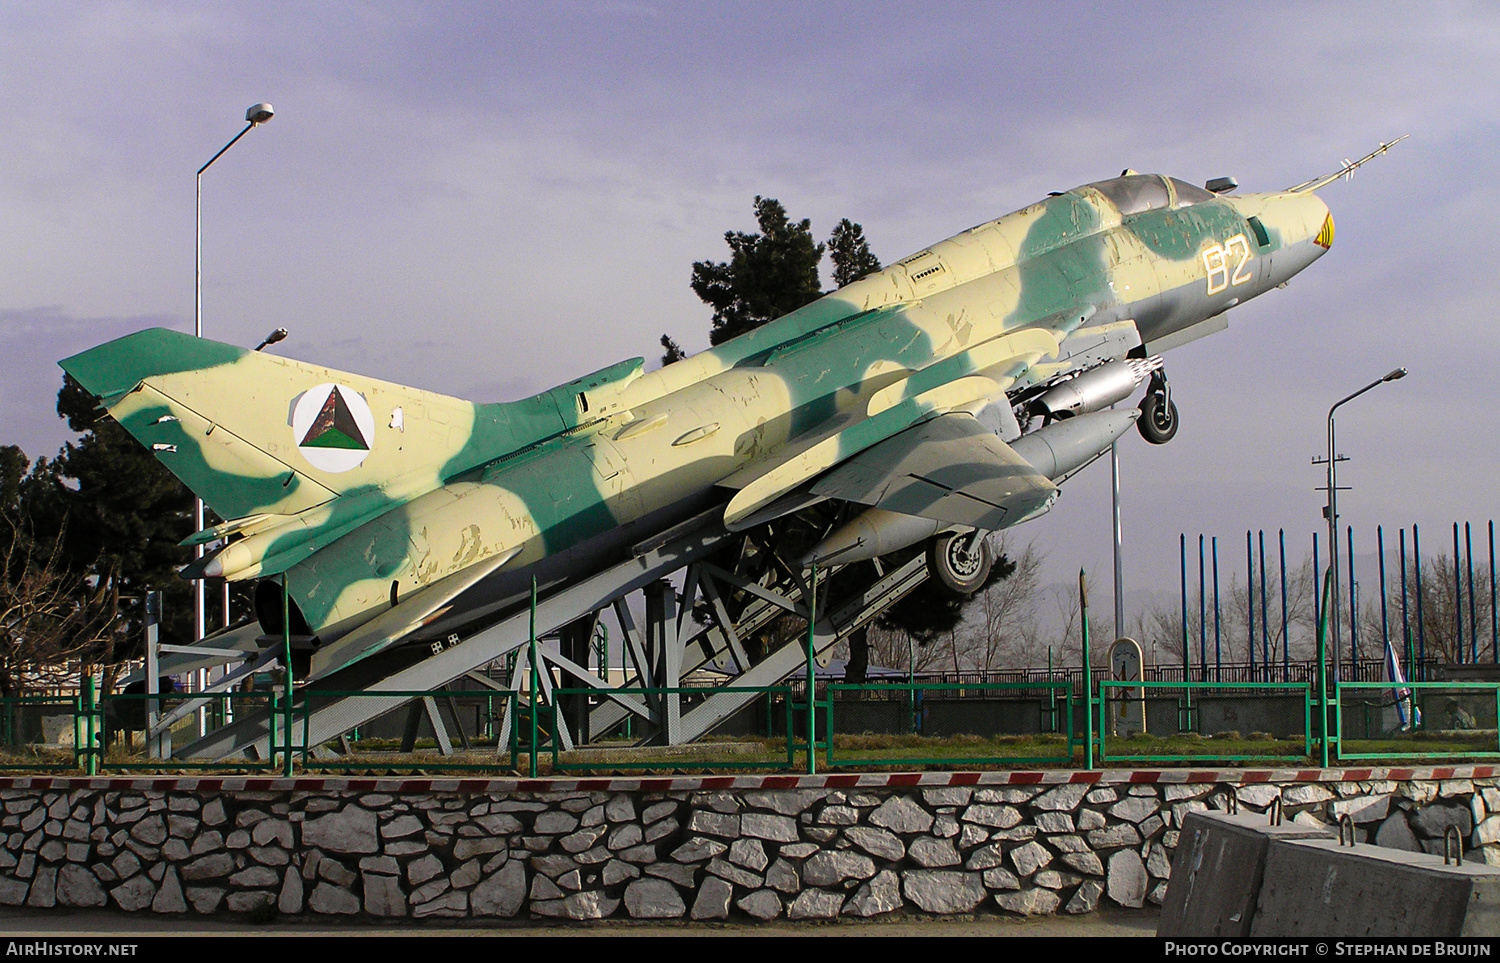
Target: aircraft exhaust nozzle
x=1063, y=447
x=872, y=533
x=1097, y=388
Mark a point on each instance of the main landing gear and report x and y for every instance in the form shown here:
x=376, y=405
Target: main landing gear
x=1158, y=421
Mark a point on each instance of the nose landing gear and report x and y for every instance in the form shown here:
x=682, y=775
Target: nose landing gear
x=1158, y=421
x=961, y=562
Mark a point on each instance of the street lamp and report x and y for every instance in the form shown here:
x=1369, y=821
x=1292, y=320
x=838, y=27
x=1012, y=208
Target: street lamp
x=1332, y=508
x=275, y=337
x=254, y=117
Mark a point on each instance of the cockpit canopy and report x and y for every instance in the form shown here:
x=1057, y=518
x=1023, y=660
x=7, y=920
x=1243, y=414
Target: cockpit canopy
x=1138, y=193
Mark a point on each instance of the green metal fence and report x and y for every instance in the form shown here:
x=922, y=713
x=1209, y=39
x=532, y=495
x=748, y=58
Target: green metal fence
x=24, y=746
x=364, y=751
x=935, y=732
x=113, y=718
x=1216, y=747
x=1443, y=720
x=616, y=752
x=777, y=728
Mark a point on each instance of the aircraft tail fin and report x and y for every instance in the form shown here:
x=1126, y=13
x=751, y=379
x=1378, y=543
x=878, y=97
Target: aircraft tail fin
x=260, y=435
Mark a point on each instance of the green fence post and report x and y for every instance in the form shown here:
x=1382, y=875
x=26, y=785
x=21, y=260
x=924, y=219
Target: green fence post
x=1088, y=676
x=812, y=689
x=1323, y=668
x=533, y=679
x=828, y=747
x=286, y=689
x=90, y=733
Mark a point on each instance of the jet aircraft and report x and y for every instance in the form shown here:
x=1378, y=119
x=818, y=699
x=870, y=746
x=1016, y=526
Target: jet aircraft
x=944, y=397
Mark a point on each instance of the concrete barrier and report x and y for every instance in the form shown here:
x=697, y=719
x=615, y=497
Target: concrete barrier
x=1217, y=872
x=1315, y=887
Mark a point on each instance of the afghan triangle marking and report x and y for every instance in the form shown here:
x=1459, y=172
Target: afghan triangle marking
x=334, y=427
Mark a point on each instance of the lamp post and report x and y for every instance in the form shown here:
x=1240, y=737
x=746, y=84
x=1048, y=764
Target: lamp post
x=254, y=117
x=1332, y=508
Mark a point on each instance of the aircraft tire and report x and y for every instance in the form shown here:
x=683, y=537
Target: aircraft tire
x=1158, y=424
x=956, y=569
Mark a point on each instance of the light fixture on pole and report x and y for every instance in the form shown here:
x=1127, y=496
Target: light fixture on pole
x=1331, y=510
x=254, y=117
x=274, y=337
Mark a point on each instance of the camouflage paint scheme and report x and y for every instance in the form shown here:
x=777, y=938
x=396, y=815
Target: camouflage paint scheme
x=448, y=486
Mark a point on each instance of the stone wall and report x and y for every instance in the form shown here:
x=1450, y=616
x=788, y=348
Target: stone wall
x=709, y=848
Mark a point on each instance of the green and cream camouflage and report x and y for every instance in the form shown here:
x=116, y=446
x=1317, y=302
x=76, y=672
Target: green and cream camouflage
x=945, y=396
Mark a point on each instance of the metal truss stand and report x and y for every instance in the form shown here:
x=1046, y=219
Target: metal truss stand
x=734, y=587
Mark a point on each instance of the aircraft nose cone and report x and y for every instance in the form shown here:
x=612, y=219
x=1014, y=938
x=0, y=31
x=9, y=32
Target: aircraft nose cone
x=1299, y=229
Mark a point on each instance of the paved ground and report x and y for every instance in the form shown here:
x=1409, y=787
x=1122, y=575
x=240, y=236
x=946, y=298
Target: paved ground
x=94, y=923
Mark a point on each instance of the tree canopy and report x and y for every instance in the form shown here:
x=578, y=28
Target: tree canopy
x=850, y=253
x=769, y=273
x=83, y=536
x=772, y=272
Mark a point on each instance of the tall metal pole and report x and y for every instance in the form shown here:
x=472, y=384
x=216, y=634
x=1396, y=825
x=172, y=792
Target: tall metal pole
x=1494, y=625
x=1218, y=647
x=1265, y=613
x=1286, y=639
x=1411, y=671
x=254, y=117
x=1332, y=509
x=1416, y=552
x=1353, y=609
x=1202, y=616
x=1385, y=621
x=1458, y=597
x=1182, y=557
x=1250, y=600
x=1473, y=621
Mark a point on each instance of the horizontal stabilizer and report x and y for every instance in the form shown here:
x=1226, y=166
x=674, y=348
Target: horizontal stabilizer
x=950, y=469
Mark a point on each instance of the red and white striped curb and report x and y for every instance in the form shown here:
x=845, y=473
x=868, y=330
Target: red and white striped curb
x=892, y=780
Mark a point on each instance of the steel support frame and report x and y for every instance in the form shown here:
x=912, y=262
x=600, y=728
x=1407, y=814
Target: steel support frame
x=721, y=572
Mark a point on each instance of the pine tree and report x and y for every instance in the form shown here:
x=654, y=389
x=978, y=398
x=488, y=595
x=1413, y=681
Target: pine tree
x=671, y=351
x=850, y=253
x=769, y=273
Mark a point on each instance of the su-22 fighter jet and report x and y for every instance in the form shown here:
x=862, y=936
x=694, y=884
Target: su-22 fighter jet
x=941, y=398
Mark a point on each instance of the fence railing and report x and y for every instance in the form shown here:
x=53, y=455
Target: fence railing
x=1217, y=745
x=1417, y=720
x=770, y=728
x=952, y=724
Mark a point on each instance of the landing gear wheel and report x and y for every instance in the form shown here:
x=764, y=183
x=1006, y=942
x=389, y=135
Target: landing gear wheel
x=1158, y=421
x=960, y=563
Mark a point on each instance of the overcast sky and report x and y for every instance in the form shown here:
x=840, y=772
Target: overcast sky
x=487, y=200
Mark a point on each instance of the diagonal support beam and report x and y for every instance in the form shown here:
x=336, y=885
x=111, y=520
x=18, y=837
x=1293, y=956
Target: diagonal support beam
x=755, y=589
x=439, y=730
x=726, y=625
x=599, y=686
